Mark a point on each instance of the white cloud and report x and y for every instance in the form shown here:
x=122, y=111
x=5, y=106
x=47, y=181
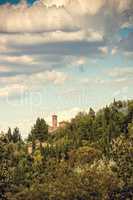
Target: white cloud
x=128, y=54
x=83, y=7
x=58, y=3
x=25, y=59
x=127, y=24
x=12, y=89
x=114, y=79
x=122, y=4
x=114, y=50
x=56, y=77
x=59, y=21
x=78, y=61
x=49, y=37
x=21, y=83
x=104, y=50
x=3, y=48
x=121, y=92
x=3, y=44
x=78, y=6
x=119, y=72
x=4, y=69
x=38, y=18
x=67, y=28
x=93, y=81
x=62, y=15
x=60, y=36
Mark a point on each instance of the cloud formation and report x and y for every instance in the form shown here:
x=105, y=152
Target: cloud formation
x=65, y=15
x=21, y=83
x=24, y=59
x=65, y=21
x=37, y=40
x=70, y=52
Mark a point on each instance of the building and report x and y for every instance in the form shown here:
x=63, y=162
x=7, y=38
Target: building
x=51, y=130
x=54, y=121
x=54, y=126
x=37, y=145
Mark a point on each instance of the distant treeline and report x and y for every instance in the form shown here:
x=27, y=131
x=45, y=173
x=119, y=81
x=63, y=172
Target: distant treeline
x=90, y=158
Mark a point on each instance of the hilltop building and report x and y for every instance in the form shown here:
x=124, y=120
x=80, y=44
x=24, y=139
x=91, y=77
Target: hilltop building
x=51, y=130
x=56, y=125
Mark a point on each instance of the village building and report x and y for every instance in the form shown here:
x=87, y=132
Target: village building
x=51, y=130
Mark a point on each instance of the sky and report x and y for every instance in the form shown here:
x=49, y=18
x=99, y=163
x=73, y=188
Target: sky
x=63, y=56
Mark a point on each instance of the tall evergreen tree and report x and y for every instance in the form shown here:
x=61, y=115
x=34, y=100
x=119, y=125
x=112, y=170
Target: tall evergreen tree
x=16, y=137
x=9, y=135
x=92, y=113
x=40, y=130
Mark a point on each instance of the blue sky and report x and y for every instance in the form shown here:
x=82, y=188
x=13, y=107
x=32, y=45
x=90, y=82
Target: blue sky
x=63, y=57
x=30, y=2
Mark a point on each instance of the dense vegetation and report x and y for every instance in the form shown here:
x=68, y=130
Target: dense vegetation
x=91, y=158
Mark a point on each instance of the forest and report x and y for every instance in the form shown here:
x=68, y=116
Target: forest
x=90, y=158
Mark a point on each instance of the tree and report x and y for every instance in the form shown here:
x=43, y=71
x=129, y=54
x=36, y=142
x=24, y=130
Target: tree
x=16, y=137
x=107, y=115
x=39, y=130
x=122, y=151
x=130, y=111
x=4, y=168
x=89, y=158
x=92, y=113
x=9, y=135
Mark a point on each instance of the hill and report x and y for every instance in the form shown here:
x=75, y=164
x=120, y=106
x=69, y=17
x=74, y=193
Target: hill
x=91, y=158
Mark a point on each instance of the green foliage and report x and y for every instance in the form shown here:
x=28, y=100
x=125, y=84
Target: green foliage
x=91, y=158
x=122, y=153
x=9, y=135
x=16, y=137
x=39, y=131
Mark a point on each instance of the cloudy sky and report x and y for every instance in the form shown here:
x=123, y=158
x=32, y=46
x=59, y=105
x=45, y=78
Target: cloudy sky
x=63, y=56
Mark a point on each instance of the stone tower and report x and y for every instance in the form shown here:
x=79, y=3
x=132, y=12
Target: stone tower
x=54, y=121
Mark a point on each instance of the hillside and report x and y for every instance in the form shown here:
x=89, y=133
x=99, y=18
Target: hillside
x=91, y=158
